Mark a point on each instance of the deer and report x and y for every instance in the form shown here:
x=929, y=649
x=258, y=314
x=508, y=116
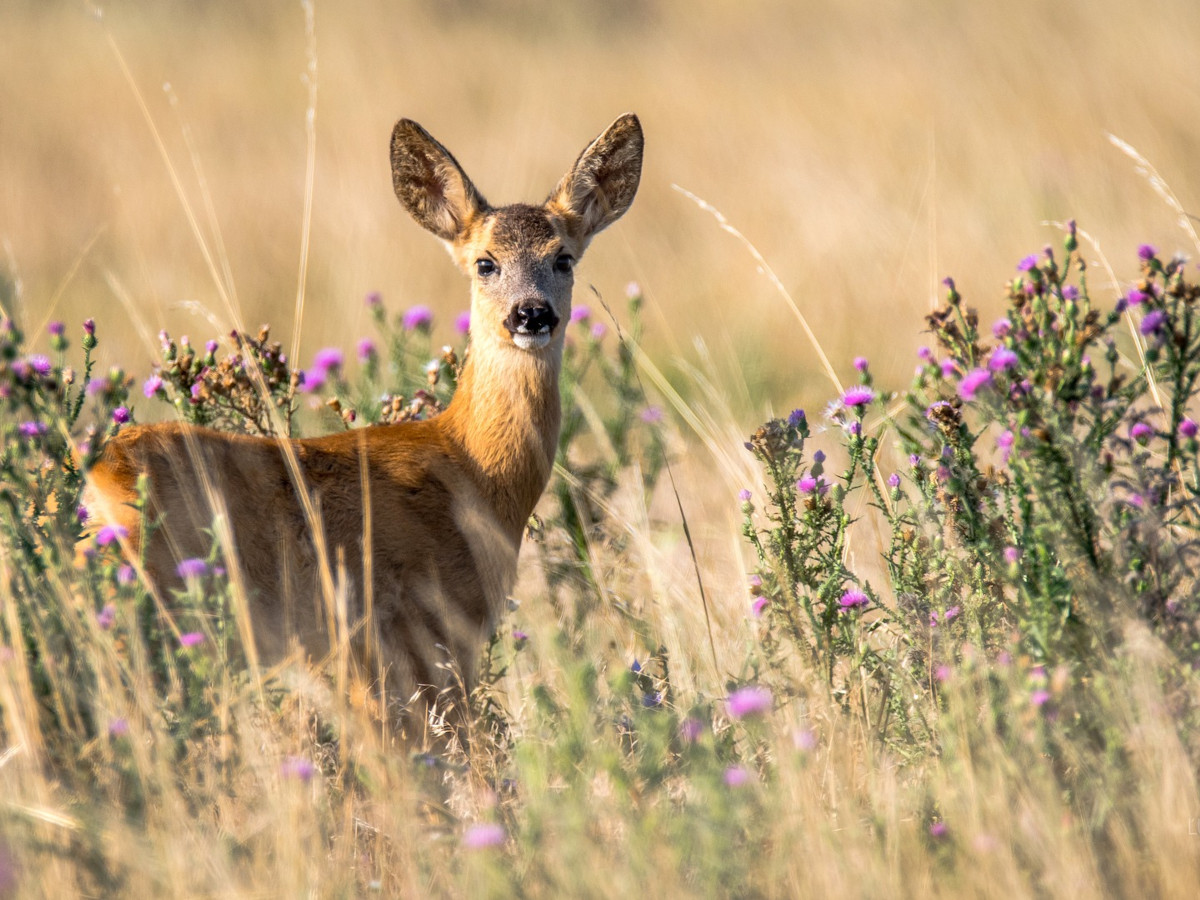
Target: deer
x=420, y=523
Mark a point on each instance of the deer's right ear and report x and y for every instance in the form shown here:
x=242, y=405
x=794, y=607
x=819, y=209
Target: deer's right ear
x=431, y=184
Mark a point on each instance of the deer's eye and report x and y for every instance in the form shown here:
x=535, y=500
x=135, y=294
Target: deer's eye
x=564, y=263
x=485, y=267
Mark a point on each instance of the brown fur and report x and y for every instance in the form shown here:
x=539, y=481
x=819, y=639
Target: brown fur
x=447, y=499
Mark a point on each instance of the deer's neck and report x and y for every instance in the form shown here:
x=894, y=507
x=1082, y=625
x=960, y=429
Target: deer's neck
x=505, y=415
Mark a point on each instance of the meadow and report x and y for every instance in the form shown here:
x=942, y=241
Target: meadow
x=868, y=565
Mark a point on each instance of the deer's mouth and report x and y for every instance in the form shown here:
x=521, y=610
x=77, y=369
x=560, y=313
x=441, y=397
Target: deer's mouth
x=531, y=326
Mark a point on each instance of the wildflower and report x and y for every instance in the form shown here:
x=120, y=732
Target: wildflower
x=192, y=568
x=328, y=359
x=120, y=415
x=937, y=830
x=1070, y=292
x=482, y=835
x=519, y=636
x=1137, y=501
x=651, y=414
x=118, y=728
x=690, y=729
x=1002, y=359
x=191, y=638
x=749, y=701
x=1152, y=322
x=365, y=349
x=297, y=767
x=373, y=300
x=1188, y=428
x=312, y=380
x=1028, y=264
x=948, y=368
x=126, y=575
x=755, y=581
x=819, y=457
x=859, y=395
x=796, y=418
x=1136, y=297
x=32, y=429
x=599, y=330
x=853, y=599
x=56, y=329
x=973, y=382
x=744, y=495
x=1146, y=252
x=924, y=354
x=462, y=322
x=893, y=480
x=1012, y=555
x=633, y=290
x=210, y=347
x=914, y=460
x=951, y=614
x=854, y=429
x=1039, y=697
x=111, y=534
x=152, y=386
x=107, y=617
x=89, y=327
x=40, y=364
x=810, y=485
x=942, y=673
x=860, y=363
x=417, y=318
x=1004, y=442
x=1141, y=432
x=82, y=514
x=581, y=313
x=804, y=739
x=759, y=604
x=736, y=776
x=1001, y=328
x=198, y=388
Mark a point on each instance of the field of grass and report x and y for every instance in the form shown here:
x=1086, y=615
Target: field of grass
x=938, y=638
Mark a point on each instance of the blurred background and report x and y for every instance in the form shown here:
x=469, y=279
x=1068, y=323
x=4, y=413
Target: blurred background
x=867, y=148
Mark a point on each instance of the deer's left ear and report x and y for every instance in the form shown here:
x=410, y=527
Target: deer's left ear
x=431, y=184
x=602, y=183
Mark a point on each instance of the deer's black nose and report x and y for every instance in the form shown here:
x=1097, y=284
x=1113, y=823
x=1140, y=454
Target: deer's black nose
x=531, y=319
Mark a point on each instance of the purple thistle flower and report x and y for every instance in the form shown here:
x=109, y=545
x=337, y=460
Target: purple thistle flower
x=745, y=702
x=819, y=456
x=853, y=599
x=759, y=604
x=152, y=386
x=948, y=368
x=192, y=568
x=111, y=534
x=1136, y=297
x=312, y=380
x=1039, y=697
x=107, y=617
x=519, y=636
x=462, y=322
x=860, y=363
x=417, y=318
x=82, y=514
x=1070, y=292
x=807, y=484
x=893, y=480
x=89, y=327
x=210, y=347
x=1002, y=359
x=599, y=330
x=298, y=768
x=1188, y=428
x=56, y=329
x=40, y=364
x=32, y=429
x=126, y=575
x=483, y=835
x=1141, y=432
x=736, y=776
x=1012, y=555
x=1152, y=322
x=1146, y=252
x=1001, y=328
x=924, y=354
x=859, y=395
x=744, y=495
x=755, y=581
x=120, y=415
x=328, y=359
x=191, y=638
x=1028, y=264
x=651, y=414
x=690, y=729
x=942, y=673
x=373, y=300
x=914, y=460
x=937, y=830
x=581, y=313
x=796, y=418
x=196, y=388
x=118, y=728
x=951, y=614
x=973, y=382
x=365, y=349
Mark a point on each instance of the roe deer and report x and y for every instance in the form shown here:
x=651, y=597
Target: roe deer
x=424, y=518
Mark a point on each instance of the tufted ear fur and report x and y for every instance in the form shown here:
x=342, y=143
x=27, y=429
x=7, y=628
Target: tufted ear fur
x=431, y=184
x=602, y=183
